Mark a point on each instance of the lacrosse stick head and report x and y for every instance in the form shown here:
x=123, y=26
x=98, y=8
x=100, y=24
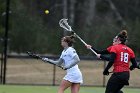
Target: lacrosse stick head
x=64, y=24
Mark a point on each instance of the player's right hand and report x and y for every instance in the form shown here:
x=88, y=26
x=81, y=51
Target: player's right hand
x=98, y=56
x=45, y=59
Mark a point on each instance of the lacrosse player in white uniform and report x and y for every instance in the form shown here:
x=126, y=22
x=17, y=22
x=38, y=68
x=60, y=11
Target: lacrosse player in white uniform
x=68, y=60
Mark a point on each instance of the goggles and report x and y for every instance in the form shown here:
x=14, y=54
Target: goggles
x=115, y=39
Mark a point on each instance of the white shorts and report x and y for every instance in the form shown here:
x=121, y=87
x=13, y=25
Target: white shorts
x=74, y=77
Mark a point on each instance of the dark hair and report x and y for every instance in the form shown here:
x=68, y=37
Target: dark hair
x=123, y=36
x=69, y=39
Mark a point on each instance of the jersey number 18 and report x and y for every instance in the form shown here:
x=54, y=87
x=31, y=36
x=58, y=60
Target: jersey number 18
x=124, y=57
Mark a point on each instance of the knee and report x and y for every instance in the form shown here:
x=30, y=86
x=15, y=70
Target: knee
x=120, y=91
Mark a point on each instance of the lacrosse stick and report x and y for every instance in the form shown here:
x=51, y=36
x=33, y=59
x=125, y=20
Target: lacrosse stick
x=33, y=55
x=64, y=24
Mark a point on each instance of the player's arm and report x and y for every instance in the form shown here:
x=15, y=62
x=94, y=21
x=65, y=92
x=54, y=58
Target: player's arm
x=75, y=60
x=110, y=63
x=105, y=57
x=105, y=51
x=134, y=64
x=57, y=62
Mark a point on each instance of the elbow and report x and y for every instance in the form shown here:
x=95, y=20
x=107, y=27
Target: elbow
x=78, y=60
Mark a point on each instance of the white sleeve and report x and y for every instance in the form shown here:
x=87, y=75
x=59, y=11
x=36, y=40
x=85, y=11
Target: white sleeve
x=57, y=62
x=74, y=61
x=72, y=53
x=74, y=58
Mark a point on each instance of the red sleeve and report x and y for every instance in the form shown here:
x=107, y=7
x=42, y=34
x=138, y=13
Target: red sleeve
x=113, y=49
x=132, y=54
x=109, y=48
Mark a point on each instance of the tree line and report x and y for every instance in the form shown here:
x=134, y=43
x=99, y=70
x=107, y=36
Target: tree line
x=95, y=21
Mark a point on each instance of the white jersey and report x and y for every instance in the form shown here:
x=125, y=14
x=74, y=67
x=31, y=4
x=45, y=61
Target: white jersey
x=73, y=74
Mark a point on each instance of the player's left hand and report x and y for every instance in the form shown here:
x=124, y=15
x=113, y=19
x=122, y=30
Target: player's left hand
x=45, y=59
x=106, y=72
x=131, y=68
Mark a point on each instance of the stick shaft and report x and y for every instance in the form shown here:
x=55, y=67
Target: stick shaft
x=64, y=24
x=41, y=58
x=84, y=43
x=52, y=63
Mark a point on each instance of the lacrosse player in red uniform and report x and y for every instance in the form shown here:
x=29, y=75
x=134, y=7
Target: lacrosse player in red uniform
x=120, y=57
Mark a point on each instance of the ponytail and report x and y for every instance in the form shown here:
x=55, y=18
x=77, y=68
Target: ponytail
x=123, y=36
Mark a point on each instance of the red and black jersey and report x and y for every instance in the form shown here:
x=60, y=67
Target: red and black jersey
x=123, y=56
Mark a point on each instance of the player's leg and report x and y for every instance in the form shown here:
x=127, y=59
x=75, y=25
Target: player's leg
x=110, y=88
x=112, y=84
x=118, y=90
x=63, y=86
x=117, y=82
x=113, y=88
x=124, y=80
x=75, y=87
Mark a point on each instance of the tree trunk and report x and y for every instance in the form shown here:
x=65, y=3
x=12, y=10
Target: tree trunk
x=72, y=13
x=65, y=13
x=90, y=12
x=119, y=17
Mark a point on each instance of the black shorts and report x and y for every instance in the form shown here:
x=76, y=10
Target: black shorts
x=120, y=78
x=117, y=81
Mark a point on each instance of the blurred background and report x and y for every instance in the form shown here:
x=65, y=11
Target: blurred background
x=24, y=26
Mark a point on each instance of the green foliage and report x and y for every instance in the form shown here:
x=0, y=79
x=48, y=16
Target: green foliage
x=29, y=33
x=134, y=35
x=25, y=30
x=2, y=16
x=102, y=7
x=31, y=29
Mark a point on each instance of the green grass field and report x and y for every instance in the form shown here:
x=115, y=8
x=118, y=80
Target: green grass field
x=28, y=71
x=52, y=89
